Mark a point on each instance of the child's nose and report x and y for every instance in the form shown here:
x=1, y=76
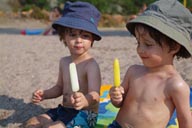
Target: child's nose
x=79, y=39
x=141, y=49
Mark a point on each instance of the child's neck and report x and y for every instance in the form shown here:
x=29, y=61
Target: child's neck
x=164, y=68
x=79, y=59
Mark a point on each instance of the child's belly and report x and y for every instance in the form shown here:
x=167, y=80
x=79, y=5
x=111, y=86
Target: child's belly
x=142, y=115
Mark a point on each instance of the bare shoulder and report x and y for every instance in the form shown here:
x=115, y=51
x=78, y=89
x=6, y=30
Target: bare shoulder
x=65, y=60
x=135, y=69
x=176, y=84
x=91, y=63
x=133, y=72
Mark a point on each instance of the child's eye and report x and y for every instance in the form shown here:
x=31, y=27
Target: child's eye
x=86, y=35
x=148, y=45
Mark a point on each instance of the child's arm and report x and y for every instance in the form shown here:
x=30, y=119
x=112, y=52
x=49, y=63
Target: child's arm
x=117, y=94
x=180, y=94
x=94, y=83
x=53, y=92
x=56, y=90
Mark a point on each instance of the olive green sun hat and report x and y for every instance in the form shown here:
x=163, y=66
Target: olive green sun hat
x=169, y=17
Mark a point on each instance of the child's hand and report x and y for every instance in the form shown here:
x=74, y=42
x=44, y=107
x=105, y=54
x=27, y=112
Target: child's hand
x=78, y=100
x=37, y=96
x=116, y=94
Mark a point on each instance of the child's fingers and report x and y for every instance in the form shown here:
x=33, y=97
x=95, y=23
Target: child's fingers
x=37, y=96
x=115, y=91
x=36, y=99
x=79, y=100
x=39, y=92
x=76, y=95
x=112, y=90
x=78, y=105
x=116, y=95
x=79, y=97
x=72, y=99
x=121, y=89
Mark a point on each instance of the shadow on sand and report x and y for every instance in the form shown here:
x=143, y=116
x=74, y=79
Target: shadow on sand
x=14, y=110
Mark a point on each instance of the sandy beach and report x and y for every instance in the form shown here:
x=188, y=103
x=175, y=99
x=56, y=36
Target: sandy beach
x=31, y=62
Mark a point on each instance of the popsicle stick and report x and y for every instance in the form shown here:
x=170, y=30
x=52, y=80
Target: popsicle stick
x=74, y=77
x=116, y=70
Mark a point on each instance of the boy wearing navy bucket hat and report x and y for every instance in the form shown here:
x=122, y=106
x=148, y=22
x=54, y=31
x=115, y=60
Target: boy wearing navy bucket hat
x=77, y=28
x=151, y=92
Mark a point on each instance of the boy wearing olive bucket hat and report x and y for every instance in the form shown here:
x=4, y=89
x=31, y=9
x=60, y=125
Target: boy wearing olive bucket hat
x=151, y=92
x=77, y=29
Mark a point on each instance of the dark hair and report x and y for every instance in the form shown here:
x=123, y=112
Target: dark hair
x=62, y=31
x=160, y=38
x=58, y=9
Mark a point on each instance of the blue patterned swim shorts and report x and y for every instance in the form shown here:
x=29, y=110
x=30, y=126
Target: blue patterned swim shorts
x=114, y=124
x=73, y=118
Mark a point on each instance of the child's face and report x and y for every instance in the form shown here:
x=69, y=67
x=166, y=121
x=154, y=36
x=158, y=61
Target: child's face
x=150, y=52
x=78, y=41
x=56, y=12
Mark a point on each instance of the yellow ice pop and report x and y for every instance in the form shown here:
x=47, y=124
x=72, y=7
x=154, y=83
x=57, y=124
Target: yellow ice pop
x=74, y=77
x=116, y=70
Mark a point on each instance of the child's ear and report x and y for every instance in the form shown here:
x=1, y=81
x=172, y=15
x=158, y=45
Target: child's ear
x=63, y=40
x=65, y=43
x=175, y=49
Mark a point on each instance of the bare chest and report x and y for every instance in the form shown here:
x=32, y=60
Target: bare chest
x=148, y=90
x=82, y=79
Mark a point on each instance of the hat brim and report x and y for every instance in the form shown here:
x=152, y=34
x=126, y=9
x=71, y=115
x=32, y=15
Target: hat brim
x=161, y=27
x=77, y=23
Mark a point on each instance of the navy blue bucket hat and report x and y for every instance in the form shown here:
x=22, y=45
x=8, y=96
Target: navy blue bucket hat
x=169, y=17
x=80, y=15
